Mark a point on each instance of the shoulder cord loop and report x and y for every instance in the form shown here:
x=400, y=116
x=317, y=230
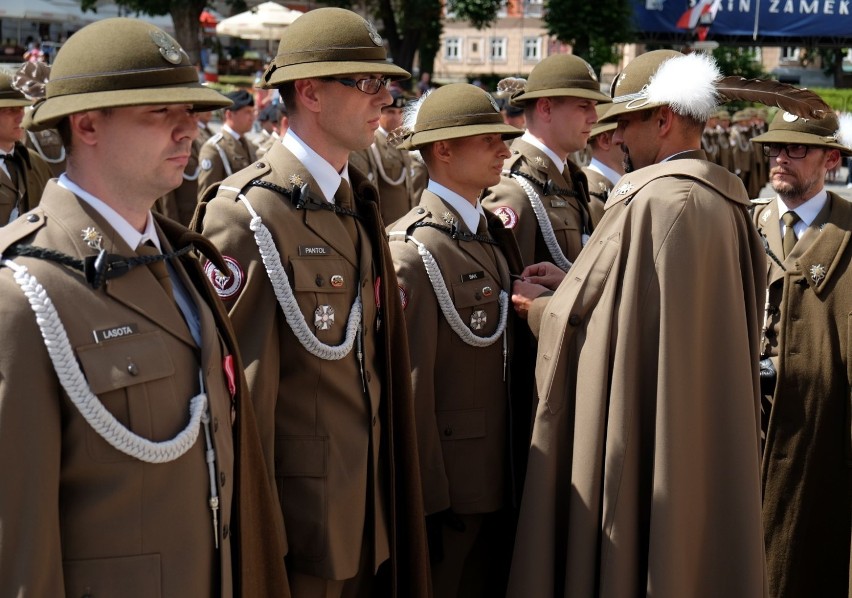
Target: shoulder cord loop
x=292, y=313
x=544, y=224
x=381, y=168
x=90, y=407
x=433, y=271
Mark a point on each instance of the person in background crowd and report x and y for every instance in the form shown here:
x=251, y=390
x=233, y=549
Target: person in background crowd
x=606, y=166
x=329, y=375
x=806, y=349
x=125, y=420
x=228, y=151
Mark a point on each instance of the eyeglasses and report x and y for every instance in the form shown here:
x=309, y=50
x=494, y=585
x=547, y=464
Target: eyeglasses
x=794, y=151
x=370, y=86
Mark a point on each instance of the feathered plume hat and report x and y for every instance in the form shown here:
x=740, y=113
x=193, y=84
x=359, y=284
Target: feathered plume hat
x=692, y=85
x=555, y=76
x=830, y=132
x=10, y=96
x=450, y=112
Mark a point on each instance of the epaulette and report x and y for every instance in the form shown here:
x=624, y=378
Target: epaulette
x=762, y=200
x=215, y=139
x=235, y=184
x=21, y=227
x=510, y=162
x=403, y=226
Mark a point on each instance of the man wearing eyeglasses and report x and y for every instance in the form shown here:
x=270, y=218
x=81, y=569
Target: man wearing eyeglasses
x=806, y=349
x=314, y=300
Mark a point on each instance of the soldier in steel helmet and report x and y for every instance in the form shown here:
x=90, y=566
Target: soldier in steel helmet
x=454, y=261
x=543, y=196
x=313, y=297
x=644, y=468
x=125, y=421
x=805, y=350
x=23, y=174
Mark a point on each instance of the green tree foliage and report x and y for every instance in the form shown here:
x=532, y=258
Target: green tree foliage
x=738, y=61
x=185, y=15
x=591, y=28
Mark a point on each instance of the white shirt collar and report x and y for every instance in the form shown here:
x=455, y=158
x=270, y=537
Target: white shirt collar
x=382, y=131
x=535, y=141
x=605, y=170
x=469, y=213
x=231, y=132
x=125, y=230
x=807, y=212
x=322, y=172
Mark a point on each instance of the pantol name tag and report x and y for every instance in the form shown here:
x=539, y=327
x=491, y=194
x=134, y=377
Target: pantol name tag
x=116, y=332
x=558, y=203
x=472, y=276
x=307, y=250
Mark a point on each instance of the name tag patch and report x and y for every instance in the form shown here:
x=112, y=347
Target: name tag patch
x=558, y=203
x=313, y=250
x=472, y=276
x=115, y=332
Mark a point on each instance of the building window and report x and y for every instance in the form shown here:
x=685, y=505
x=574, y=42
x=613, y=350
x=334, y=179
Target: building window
x=534, y=8
x=452, y=48
x=532, y=49
x=789, y=54
x=498, y=49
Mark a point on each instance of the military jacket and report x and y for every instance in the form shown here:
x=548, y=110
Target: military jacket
x=807, y=459
x=565, y=200
x=461, y=396
x=84, y=518
x=221, y=156
x=32, y=179
x=338, y=433
x=599, y=189
x=48, y=145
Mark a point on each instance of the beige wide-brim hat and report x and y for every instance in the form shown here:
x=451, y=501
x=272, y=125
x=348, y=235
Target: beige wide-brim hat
x=561, y=75
x=602, y=126
x=329, y=42
x=789, y=128
x=9, y=96
x=120, y=62
x=455, y=111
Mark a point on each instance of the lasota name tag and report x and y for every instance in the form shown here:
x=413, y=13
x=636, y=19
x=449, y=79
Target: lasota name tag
x=107, y=334
x=314, y=250
x=472, y=276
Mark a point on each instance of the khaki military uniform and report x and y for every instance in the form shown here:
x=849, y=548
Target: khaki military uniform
x=339, y=433
x=268, y=141
x=564, y=198
x=33, y=174
x=48, y=145
x=221, y=156
x=204, y=134
x=180, y=204
x=599, y=189
x=87, y=519
x=806, y=474
x=743, y=160
x=391, y=171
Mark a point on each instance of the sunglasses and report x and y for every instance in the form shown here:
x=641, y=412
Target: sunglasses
x=370, y=86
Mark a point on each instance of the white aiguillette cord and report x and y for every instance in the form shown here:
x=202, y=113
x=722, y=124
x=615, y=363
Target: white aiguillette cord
x=93, y=411
x=544, y=224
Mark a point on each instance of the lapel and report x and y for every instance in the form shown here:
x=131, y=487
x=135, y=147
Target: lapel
x=768, y=226
x=323, y=223
x=475, y=251
x=138, y=289
x=821, y=248
x=6, y=181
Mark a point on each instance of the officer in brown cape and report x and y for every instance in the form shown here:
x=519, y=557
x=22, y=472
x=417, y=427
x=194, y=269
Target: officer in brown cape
x=125, y=421
x=23, y=174
x=543, y=196
x=229, y=150
x=806, y=349
x=313, y=297
x=453, y=261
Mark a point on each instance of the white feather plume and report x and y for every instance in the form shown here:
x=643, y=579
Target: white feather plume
x=687, y=85
x=844, y=133
x=411, y=110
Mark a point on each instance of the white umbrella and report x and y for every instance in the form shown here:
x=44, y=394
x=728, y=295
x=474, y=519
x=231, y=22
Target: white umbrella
x=264, y=21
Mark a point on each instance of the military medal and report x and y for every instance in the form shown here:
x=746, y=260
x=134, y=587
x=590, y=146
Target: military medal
x=337, y=281
x=478, y=320
x=817, y=273
x=324, y=317
x=92, y=237
x=486, y=291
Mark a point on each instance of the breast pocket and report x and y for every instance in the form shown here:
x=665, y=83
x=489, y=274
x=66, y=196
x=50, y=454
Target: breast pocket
x=477, y=304
x=325, y=289
x=131, y=377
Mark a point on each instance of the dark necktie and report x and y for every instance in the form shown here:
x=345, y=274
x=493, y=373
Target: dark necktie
x=790, y=219
x=13, y=166
x=343, y=198
x=158, y=268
